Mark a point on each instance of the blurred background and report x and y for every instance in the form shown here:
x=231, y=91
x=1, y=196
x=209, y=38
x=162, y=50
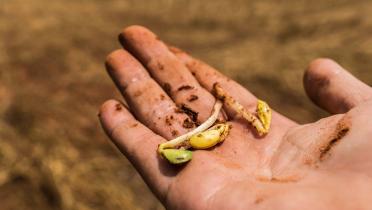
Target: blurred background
x=53, y=153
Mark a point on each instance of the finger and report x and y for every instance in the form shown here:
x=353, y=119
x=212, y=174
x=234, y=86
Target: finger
x=138, y=144
x=333, y=88
x=168, y=71
x=146, y=99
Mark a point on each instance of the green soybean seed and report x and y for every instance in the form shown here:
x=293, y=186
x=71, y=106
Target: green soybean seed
x=177, y=156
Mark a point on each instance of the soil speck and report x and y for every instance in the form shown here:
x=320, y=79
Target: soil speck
x=192, y=98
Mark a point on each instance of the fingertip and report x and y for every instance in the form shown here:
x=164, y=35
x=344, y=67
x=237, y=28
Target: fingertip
x=106, y=108
x=321, y=70
x=111, y=113
x=117, y=59
x=135, y=32
x=134, y=29
x=113, y=56
x=134, y=38
x=323, y=66
x=113, y=61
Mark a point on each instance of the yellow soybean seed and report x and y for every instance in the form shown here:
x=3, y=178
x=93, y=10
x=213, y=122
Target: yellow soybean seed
x=205, y=139
x=177, y=156
x=264, y=114
x=210, y=137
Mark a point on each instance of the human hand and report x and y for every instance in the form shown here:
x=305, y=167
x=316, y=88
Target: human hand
x=322, y=165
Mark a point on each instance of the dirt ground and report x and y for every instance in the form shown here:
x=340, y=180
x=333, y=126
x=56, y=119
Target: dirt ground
x=53, y=153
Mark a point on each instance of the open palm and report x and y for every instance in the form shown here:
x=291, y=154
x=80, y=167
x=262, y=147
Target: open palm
x=293, y=166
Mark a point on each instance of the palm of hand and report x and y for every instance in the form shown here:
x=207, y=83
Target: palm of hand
x=245, y=171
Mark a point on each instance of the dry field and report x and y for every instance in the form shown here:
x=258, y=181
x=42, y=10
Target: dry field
x=53, y=153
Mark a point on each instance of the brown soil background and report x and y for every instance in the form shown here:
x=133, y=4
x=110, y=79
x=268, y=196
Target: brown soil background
x=53, y=153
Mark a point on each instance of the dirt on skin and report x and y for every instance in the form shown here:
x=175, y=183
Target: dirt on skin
x=53, y=153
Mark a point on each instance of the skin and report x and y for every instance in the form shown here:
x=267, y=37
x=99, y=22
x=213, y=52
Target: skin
x=322, y=165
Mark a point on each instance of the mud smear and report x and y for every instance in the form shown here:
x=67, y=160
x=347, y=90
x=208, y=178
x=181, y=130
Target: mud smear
x=191, y=113
x=185, y=87
x=187, y=123
x=192, y=98
x=324, y=151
